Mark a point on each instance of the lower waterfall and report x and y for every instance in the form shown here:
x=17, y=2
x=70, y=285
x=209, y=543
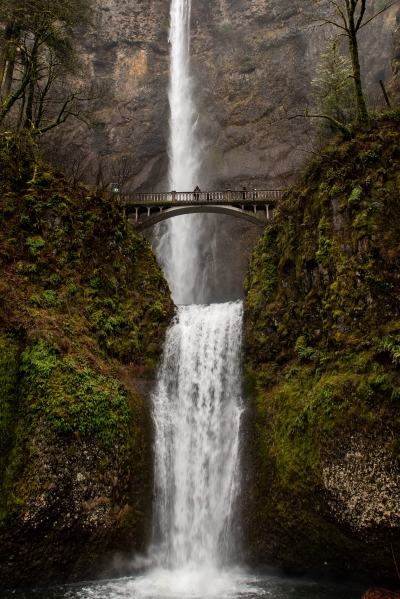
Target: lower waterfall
x=197, y=407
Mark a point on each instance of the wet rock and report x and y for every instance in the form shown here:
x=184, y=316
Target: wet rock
x=381, y=594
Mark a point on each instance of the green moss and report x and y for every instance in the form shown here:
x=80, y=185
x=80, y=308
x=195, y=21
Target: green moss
x=83, y=308
x=322, y=330
x=72, y=397
x=226, y=28
x=9, y=372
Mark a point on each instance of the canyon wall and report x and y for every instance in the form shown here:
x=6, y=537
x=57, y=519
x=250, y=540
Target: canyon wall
x=83, y=308
x=322, y=332
x=249, y=60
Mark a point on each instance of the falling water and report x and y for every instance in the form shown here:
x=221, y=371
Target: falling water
x=197, y=410
x=184, y=152
x=197, y=405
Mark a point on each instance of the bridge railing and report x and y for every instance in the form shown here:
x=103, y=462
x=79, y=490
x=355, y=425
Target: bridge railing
x=202, y=196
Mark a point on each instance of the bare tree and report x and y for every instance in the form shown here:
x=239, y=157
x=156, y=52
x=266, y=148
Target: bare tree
x=349, y=17
x=122, y=170
x=37, y=52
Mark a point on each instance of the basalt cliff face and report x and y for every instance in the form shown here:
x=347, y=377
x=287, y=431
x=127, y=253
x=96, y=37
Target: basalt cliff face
x=322, y=330
x=83, y=307
x=249, y=59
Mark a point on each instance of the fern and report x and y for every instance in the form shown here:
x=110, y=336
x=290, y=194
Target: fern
x=391, y=345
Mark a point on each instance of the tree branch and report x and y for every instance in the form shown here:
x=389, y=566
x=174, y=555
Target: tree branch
x=386, y=7
x=345, y=131
x=361, y=15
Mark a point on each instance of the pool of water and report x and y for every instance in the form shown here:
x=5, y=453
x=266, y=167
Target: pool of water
x=187, y=584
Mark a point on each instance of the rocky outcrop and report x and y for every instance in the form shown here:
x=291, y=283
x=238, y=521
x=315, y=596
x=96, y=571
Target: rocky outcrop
x=83, y=308
x=322, y=331
x=362, y=480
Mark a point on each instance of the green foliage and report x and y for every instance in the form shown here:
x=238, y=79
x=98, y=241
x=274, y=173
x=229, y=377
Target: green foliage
x=333, y=87
x=322, y=341
x=309, y=353
x=35, y=244
x=72, y=397
x=355, y=196
x=324, y=245
x=226, y=28
x=83, y=307
x=391, y=345
x=8, y=399
x=49, y=297
x=319, y=405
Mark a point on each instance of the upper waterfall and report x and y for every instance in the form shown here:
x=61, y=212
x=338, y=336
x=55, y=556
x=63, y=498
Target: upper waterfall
x=181, y=262
x=183, y=151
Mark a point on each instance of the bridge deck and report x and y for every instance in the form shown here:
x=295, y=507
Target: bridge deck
x=227, y=196
x=148, y=209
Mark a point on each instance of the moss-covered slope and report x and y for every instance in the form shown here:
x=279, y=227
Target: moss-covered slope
x=83, y=307
x=322, y=361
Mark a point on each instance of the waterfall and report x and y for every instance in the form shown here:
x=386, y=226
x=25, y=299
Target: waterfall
x=196, y=402
x=182, y=264
x=197, y=408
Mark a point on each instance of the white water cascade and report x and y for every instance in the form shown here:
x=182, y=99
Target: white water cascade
x=184, y=153
x=197, y=403
x=197, y=409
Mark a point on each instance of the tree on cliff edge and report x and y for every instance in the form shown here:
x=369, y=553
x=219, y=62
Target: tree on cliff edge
x=36, y=54
x=350, y=16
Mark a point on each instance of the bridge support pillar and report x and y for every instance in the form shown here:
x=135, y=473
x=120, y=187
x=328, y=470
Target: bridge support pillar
x=267, y=211
x=137, y=214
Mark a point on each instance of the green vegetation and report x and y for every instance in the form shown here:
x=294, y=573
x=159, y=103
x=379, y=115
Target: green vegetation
x=323, y=332
x=225, y=28
x=39, y=63
x=83, y=307
x=349, y=17
x=333, y=89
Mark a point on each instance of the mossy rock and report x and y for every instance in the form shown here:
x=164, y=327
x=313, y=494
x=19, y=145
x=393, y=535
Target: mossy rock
x=322, y=336
x=83, y=310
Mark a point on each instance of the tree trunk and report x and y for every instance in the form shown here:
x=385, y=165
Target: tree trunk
x=8, y=78
x=29, y=106
x=4, y=51
x=362, y=111
x=33, y=66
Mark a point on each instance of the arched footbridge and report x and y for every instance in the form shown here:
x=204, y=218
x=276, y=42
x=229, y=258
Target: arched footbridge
x=148, y=209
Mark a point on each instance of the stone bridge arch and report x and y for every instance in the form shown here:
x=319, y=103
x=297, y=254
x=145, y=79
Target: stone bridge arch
x=167, y=213
x=148, y=209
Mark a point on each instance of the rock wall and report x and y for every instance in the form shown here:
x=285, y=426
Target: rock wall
x=322, y=372
x=83, y=309
x=248, y=61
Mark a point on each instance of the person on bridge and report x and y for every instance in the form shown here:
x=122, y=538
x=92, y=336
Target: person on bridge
x=196, y=193
x=244, y=192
